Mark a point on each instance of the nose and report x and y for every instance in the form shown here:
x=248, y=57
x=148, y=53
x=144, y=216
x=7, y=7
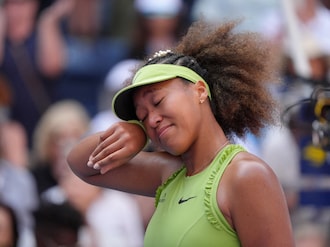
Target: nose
x=154, y=118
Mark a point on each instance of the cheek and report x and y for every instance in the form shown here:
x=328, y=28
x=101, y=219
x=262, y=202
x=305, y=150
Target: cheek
x=179, y=139
x=182, y=111
x=188, y=116
x=189, y=124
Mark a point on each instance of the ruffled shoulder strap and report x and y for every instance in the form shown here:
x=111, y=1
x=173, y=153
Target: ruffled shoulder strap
x=163, y=186
x=221, y=163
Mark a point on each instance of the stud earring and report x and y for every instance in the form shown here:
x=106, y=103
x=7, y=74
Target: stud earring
x=201, y=101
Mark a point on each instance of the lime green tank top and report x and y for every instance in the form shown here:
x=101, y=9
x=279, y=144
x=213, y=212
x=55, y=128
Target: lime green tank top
x=187, y=213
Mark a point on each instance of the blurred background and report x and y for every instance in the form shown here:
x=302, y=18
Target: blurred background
x=61, y=61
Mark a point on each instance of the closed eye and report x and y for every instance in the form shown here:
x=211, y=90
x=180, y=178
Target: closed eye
x=143, y=115
x=158, y=102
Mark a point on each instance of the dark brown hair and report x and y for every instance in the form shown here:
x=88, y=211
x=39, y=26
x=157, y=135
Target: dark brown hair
x=238, y=68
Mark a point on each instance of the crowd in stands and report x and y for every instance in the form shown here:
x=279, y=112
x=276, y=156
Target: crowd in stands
x=61, y=61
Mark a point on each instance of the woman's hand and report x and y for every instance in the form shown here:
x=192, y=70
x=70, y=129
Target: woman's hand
x=117, y=145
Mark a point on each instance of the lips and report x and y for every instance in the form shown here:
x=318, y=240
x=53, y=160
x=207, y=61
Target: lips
x=161, y=131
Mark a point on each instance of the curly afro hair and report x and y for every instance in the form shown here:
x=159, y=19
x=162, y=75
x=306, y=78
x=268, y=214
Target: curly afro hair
x=238, y=69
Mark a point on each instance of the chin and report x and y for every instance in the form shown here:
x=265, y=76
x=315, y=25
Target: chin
x=174, y=150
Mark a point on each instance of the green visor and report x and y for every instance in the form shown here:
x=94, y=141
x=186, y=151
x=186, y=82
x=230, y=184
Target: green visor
x=122, y=103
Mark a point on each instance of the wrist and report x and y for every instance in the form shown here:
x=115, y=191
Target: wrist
x=137, y=123
x=143, y=128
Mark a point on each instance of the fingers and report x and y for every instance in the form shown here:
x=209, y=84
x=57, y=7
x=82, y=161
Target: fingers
x=105, y=151
x=106, y=162
x=107, y=138
x=117, y=160
x=117, y=145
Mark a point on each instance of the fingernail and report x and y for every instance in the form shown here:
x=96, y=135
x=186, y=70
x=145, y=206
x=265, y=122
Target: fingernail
x=90, y=163
x=96, y=166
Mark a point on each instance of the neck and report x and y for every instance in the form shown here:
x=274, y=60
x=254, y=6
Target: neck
x=199, y=168
x=202, y=153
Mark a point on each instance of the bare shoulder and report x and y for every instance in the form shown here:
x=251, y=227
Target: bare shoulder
x=248, y=178
x=253, y=202
x=246, y=167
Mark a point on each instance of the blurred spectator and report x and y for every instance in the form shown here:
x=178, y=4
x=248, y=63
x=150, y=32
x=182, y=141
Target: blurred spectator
x=311, y=15
x=301, y=165
x=326, y=3
x=11, y=132
x=9, y=234
x=188, y=5
x=159, y=26
x=312, y=21
x=318, y=61
x=114, y=81
x=13, y=144
x=310, y=234
x=31, y=93
x=45, y=4
x=16, y=183
x=61, y=125
x=280, y=151
x=250, y=11
x=118, y=19
x=76, y=51
x=5, y=99
x=57, y=225
x=112, y=217
x=17, y=187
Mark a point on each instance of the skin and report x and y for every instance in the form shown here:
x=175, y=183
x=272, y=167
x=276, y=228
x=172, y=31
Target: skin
x=17, y=153
x=17, y=20
x=251, y=198
x=51, y=54
x=6, y=233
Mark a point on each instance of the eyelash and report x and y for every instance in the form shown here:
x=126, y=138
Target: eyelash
x=155, y=104
x=158, y=102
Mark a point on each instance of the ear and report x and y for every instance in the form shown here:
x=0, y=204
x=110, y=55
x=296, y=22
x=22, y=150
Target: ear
x=201, y=90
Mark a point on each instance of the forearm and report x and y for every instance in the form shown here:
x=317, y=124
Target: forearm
x=141, y=174
x=107, y=150
x=123, y=177
x=79, y=156
x=51, y=52
x=113, y=159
